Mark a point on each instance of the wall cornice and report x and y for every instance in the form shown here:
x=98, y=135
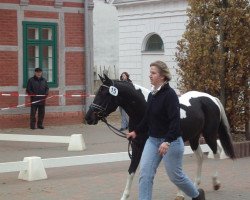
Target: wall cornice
x=129, y=2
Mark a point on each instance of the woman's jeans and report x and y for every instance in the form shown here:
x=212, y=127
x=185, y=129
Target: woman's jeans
x=173, y=164
x=124, y=118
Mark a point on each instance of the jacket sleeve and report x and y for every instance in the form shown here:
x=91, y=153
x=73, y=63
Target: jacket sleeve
x=46, y=88
x=29, y=88
x=172, y=107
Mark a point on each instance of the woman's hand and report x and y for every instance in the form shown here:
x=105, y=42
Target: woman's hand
x=131, y=135
x=163, y=148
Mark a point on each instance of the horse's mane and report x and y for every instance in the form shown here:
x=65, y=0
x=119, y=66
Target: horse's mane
x=131, y=89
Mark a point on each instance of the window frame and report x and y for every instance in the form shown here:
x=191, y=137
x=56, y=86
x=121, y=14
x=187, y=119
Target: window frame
x=146, y=47
x=40, y=43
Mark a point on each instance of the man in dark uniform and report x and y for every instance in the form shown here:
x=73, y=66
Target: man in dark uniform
x=37, y=85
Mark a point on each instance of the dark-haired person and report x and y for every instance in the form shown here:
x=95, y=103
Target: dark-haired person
x=162, y=122
x=124, y=117
x=37, y=85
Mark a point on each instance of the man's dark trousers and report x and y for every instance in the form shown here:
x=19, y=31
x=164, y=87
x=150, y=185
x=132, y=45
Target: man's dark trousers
x=41, y=112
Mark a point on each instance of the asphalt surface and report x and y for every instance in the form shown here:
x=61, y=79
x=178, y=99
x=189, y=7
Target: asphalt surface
x=106, y=181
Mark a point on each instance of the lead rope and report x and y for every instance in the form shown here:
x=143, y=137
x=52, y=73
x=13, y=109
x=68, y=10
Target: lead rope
x=119, y=133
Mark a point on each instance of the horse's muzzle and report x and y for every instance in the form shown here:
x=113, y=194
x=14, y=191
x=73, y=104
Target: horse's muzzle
x=91, y=118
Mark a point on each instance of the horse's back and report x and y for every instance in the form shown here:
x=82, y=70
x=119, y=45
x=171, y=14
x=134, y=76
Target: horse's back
x=199, y=112
x=192, y=119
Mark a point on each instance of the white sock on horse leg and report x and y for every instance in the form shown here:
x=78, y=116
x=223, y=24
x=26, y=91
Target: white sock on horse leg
x=127, y=189
x=199, y=155
x=216, y=182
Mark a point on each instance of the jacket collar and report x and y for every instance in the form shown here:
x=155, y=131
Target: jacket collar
x=35, y=77
x=164, y=86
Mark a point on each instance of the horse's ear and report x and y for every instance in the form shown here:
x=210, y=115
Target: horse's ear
x=107, y=78
x=101, y=78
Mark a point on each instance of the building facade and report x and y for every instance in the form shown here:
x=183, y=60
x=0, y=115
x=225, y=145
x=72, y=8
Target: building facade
x=105, y=33
x=52, y=35
x=149, y=31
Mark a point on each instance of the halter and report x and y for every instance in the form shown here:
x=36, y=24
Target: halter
x=101, y=113
x=101, y=110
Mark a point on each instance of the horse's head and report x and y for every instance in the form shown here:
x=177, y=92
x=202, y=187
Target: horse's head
x=104, y=102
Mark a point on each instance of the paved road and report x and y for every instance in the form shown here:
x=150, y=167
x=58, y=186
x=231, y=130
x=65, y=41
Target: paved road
x=106, y=181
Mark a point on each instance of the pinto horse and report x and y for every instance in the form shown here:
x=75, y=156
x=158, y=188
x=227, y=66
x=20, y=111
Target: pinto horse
x=201, y=113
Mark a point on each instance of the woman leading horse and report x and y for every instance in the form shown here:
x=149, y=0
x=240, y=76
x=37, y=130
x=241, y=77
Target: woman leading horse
x=162, y=122
x=200, y=113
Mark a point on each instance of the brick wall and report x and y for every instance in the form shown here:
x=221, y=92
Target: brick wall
x=74, y=68
x=74, y=30
x=39, y=2
x=54, y=101
x=8, y=101
x=73, y=4
x=8, y=68
x=8, y=24
x=74, y=100
x=74, y=63
x=51, y=119
x=10, y=1
x=36, y=14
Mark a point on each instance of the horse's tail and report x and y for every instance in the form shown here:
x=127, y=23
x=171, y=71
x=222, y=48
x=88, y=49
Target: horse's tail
x=224, y=133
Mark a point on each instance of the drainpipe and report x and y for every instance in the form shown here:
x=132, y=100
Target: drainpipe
x=89, y=75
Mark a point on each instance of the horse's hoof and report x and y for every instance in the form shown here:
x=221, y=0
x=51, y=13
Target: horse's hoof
x=179, y=198
x=125, y=197
x=217, y=186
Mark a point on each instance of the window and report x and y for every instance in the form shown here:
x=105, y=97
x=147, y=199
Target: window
x=40, y=50
x=154, y=43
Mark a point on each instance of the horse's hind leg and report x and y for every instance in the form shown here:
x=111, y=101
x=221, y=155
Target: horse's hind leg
x=199, y=156
x=194, y=143
x=180, y=195
x=216, y=182
x=216, y=151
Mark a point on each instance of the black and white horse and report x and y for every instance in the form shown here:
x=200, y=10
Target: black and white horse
x=201, y=113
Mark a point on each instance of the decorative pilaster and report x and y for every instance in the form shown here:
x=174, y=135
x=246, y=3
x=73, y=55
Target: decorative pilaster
x=90, y=5
x=24, y=2
x=58, y=3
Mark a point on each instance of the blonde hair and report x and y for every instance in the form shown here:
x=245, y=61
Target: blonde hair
x=163, y=69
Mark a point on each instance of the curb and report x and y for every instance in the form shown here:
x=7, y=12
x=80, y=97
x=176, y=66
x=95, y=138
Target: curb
x=242, y=149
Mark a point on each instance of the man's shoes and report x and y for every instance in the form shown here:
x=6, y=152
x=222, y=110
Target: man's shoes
x=32, y=128
x=40, y=127
x=201, y=195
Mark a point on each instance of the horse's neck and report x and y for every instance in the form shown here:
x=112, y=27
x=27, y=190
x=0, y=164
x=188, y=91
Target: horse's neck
x=133, y=105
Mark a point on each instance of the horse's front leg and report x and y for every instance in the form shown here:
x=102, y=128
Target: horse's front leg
x=137, y=149
x=127, y=189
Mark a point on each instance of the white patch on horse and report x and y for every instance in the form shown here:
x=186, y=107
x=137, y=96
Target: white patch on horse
x=185, y=98
x=183, y=113
x=144, y=90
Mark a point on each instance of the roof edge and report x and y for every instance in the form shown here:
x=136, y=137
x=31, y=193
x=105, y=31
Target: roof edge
x=124, y=2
